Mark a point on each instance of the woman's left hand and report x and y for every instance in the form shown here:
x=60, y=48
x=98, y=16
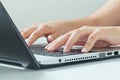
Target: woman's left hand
x=89, y=37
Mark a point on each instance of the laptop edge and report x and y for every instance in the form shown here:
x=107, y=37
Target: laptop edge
x=17, y=52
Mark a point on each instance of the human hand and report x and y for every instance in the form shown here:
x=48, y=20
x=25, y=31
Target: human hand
x=95, y=36
x=50, y=30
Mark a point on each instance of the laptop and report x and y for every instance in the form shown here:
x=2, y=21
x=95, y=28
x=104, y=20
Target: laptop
x=14, y=50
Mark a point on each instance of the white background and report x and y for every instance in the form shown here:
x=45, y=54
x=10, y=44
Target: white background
x=27, y=12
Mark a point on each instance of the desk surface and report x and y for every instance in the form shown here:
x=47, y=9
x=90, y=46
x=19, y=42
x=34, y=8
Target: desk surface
x=98, y=70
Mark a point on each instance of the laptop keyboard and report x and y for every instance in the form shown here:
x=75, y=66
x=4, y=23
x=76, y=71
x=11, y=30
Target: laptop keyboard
x=39, y=50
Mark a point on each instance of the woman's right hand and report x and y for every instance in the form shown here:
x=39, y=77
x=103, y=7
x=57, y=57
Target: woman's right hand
x=102, y=36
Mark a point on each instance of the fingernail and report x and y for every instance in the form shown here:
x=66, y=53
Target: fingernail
x=84, y=50
x=28, y=43
x=46, y=47
x=49, y=48
x=65, y=49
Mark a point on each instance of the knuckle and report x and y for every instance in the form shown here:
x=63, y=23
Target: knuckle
x=84, y=27
x=24, y=33
x=36, y=33
x=66, y=35
x=93, y=37
x=43, y=27
x=34, y=26
x=62, y=36
x=100, y=31
x=77, y=31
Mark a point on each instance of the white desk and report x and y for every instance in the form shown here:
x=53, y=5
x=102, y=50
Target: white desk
x=99, y=70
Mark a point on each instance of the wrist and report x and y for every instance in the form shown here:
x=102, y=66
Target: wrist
x=87, y=21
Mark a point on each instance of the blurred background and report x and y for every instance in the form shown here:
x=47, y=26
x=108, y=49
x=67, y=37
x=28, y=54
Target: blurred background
x=27, y=12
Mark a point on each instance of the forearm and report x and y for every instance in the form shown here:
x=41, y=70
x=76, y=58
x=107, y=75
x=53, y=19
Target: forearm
x=87, y=21
x=108, y=15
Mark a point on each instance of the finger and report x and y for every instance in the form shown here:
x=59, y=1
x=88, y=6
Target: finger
x=40, y=31
x=92, y=39
x=76, y=35
x=67, y=34
x=27, y=32
x=57, y=43
x=21, y=30
x=52, y=37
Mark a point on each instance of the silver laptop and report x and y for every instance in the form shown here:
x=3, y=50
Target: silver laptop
x=14, y=50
